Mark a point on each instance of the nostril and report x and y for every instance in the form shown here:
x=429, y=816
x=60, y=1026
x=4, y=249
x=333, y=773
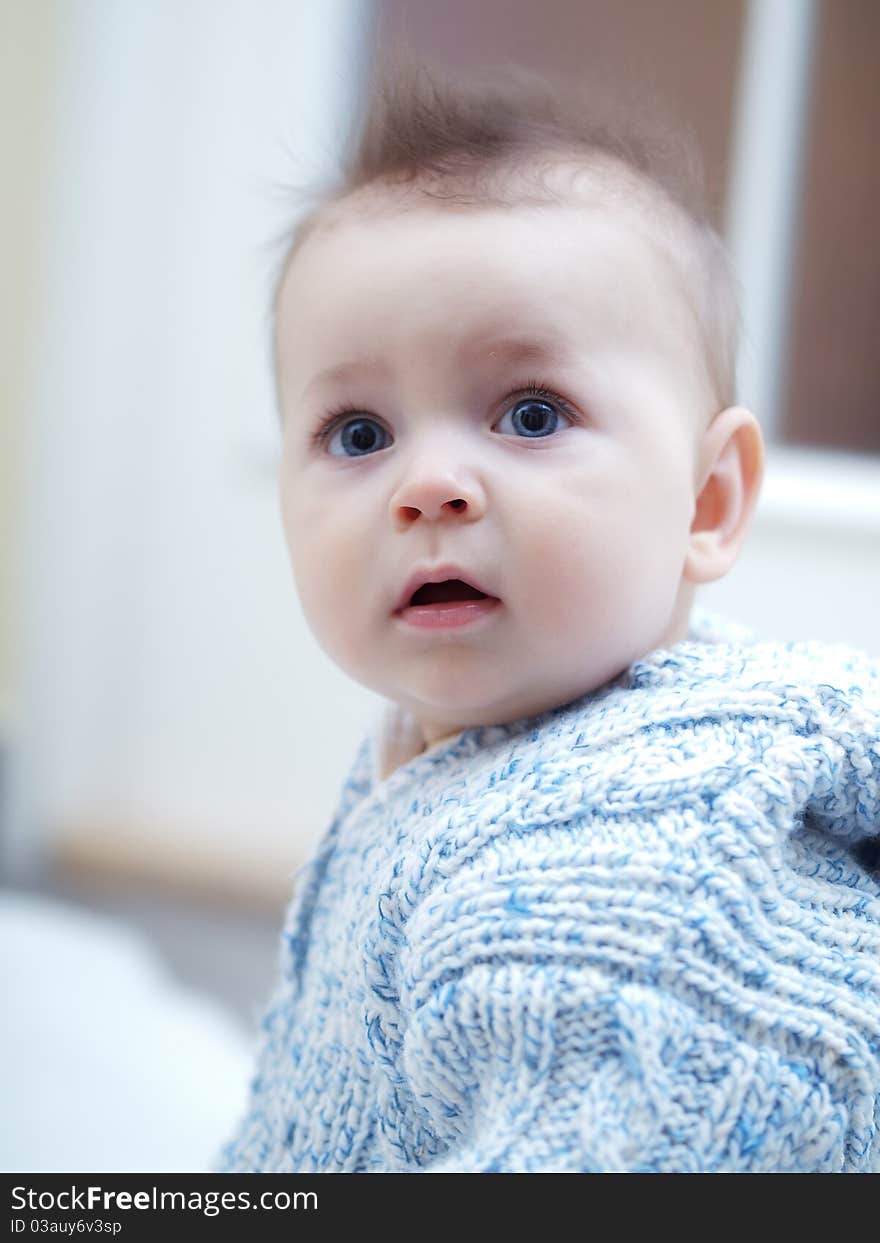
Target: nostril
x=411, y=512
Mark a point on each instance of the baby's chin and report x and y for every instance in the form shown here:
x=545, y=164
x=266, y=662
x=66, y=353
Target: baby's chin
x=438, y=721
x=444, y=695
x=446, y=708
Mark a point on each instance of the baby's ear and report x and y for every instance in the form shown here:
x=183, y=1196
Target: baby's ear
x=730, y=471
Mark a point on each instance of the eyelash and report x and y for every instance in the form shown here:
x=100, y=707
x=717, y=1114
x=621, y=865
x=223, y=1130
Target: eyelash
x=531, y=388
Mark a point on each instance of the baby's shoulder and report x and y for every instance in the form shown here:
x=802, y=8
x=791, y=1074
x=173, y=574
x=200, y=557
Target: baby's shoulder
x=695, y=709
x=808, y=671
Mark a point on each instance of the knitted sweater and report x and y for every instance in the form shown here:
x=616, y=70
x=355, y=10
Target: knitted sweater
x=640, y=932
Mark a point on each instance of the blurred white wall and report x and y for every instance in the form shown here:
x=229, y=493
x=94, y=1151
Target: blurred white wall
x=172, y=713
x=766, y=179
x=811, y=566
x=170, y=702
x=27, y=46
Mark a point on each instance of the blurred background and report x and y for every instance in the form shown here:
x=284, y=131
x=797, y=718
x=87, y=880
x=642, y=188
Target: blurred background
x=172, y=739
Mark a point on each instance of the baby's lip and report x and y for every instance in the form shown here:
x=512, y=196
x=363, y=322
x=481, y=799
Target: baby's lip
x=437, y=574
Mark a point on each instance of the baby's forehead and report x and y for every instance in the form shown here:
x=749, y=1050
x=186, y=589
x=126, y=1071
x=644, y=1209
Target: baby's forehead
x=600, y=193
x=599, y=184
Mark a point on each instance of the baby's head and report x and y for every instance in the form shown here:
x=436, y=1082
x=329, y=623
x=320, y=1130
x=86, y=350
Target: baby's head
x=505, y=353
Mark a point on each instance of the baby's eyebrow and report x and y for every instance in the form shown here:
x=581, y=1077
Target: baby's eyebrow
x=491, y=347
x=341, y=373
x=515, y=349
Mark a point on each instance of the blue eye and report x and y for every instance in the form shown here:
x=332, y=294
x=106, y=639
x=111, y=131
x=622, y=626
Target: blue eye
x=532, y=418
x=358, y=437
x=350, y=433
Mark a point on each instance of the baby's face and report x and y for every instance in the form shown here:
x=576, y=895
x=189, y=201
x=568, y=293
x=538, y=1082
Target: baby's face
x=521, y=406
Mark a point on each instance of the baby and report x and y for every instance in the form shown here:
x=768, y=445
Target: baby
x=592, y=898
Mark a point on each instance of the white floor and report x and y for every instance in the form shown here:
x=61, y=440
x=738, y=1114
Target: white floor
x=107, y=1062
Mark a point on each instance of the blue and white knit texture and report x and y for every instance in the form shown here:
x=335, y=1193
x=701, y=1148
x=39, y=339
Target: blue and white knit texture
x=637, y=932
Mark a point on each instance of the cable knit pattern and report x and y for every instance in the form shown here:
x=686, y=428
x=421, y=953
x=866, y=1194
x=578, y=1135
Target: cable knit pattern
x=638, y=932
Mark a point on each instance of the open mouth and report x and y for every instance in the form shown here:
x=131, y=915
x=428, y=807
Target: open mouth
x=451, y=589
x=447, y=605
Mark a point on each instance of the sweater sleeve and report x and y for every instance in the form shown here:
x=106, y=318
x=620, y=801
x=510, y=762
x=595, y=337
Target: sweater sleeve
x=254, y=1146
x=634, y=984
x=627, y=1051
x=577, y=1071
x=844, y=741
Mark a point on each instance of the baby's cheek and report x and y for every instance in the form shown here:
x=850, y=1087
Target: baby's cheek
x=597, y=566
x=576, y=561
x=327, y=571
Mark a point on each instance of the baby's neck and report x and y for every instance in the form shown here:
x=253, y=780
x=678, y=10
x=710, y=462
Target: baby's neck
x=402, y=737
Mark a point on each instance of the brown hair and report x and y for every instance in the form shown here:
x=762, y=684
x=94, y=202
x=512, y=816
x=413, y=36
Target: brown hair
x=492, y=140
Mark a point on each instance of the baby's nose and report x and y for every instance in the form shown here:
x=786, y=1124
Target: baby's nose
x=436, y=499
